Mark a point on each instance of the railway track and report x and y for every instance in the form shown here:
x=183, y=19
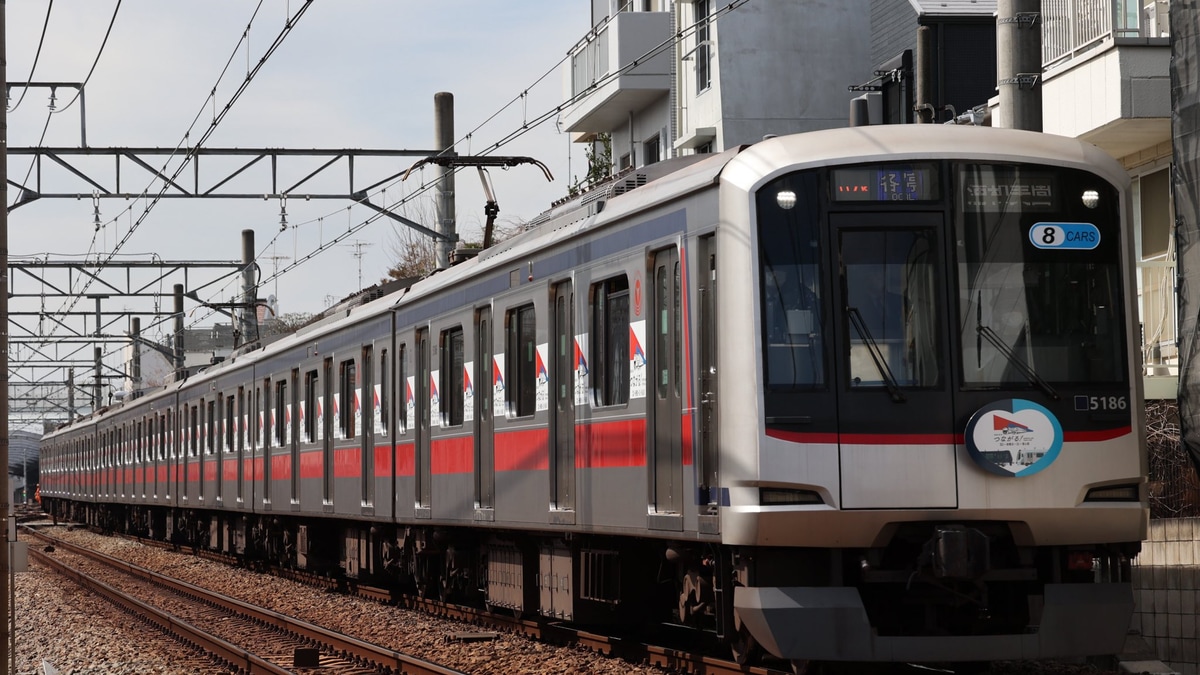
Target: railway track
x=676, y=658
x=248, y=639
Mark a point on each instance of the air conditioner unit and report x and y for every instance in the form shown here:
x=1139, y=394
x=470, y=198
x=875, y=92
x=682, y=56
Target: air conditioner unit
x=1155, y=19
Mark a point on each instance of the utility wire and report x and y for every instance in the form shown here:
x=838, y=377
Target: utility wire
x=103, y=44
x=288, y=26
x=36, y=57
x=191, y=152
x=513, y=135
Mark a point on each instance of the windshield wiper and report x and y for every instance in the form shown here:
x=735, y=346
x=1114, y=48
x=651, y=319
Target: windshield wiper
x=998, y=342
x=889, y=380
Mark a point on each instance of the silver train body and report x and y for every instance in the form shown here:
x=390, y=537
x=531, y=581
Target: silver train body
x=866, y=394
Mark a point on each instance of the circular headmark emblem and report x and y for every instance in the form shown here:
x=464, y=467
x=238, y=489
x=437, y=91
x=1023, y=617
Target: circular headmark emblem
x=1014, y=437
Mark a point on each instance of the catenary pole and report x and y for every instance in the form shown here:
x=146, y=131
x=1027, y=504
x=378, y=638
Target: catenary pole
x=10, y=658
x=443, y=132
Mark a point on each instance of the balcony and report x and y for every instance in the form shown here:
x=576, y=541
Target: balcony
x=1106, y=69
x=603, y=94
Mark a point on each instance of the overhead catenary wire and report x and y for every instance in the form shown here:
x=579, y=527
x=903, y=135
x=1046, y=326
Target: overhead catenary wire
x=289, y=24
x=526, y=125
x=524, y=128
x=36, y=57
x=96, y=61
x=191, y=151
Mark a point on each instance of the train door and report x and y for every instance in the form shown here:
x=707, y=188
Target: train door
x=289, y=422
x=262, y=411
x=424, y=411
x=324, y=425
x=707, y=469
x=666, y=367
x=485, y=452
x=563, y=488
x=364, y=393
x=895, y=411
x=240, y=433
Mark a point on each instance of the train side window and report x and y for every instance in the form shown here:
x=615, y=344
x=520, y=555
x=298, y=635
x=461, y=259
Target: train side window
x=521, y=361
x=308, y=411
x=451, y=395
x=210, y=431
x=282, y=413
x=347, y=404
x=610, y=341
x=266, y=424
x=382, y=399
x=791, y=290
x=194, y=432
x=402, y=386
x=230, y=424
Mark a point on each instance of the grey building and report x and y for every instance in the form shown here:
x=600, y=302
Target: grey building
x=739, y=71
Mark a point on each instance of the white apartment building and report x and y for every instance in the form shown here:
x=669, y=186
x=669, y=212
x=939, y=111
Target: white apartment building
x=743, y=69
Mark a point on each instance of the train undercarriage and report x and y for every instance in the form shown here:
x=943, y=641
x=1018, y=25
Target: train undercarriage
x=931, y=580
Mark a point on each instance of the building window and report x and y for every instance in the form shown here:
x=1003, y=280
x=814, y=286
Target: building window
x=650, y=150
x=703, y=45
x=704, y=148
x=624, y=162
x=610, y=344
x=521, y=361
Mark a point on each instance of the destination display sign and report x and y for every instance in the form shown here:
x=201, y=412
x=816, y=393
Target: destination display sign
x=890, y=183
x=994, y=189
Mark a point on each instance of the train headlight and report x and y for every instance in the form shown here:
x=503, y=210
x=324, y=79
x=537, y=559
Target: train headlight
x=1113, y=493
x=1091, y=199
x=787, y=497
x=786, y=199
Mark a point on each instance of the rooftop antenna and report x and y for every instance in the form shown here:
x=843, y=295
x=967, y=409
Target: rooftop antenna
x=358, y=247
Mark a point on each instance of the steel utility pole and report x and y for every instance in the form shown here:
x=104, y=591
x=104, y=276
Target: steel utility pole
x=10, y=659
x=443, y=132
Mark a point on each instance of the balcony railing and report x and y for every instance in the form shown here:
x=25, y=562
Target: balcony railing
x=1070, y=28
x=590, y=62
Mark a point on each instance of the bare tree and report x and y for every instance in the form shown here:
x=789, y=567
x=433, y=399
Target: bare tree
x=415, y=253
x=285, y=323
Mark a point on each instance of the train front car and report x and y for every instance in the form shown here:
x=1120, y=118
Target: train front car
x=946, y=460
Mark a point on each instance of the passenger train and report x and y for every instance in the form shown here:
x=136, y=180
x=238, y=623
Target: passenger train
x=865, y=394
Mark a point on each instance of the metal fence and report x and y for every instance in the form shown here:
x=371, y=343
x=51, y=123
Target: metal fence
x=1071, y=28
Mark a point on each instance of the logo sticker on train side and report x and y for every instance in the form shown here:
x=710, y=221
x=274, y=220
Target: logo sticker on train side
x=637, y=360
x=1065, y=236
x=1013, y=437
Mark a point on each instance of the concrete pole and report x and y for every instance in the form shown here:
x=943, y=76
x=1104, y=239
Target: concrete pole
x=135, y=374
x=860, y=112
x=443, y=142
x=178, y=292
x=1019, y=64
x=249, y=314
x=6, y=586
x=98, y=355
x=924, y=107
x=70, y=394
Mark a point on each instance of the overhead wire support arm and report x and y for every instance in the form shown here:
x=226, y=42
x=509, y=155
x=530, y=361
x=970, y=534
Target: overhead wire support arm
x=362, y=198
x=492, y=208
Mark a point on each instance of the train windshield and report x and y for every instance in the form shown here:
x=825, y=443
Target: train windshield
x=991, y=276
x=1039, y=295
x=791, y=280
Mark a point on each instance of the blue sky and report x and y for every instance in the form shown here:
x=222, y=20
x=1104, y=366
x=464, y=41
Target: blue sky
x=351, y=74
